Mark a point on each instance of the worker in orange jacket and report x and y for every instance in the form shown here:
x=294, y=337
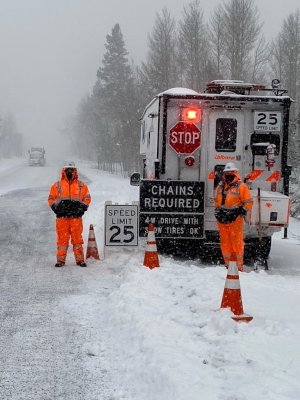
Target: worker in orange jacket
x=69, y=198
x=233, y=200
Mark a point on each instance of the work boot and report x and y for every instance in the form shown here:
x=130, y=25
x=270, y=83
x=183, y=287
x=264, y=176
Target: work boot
x=81, y=264
x=59, y=264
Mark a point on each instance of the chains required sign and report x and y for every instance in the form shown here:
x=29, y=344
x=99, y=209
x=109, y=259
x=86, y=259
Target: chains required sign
x=176, y=208
x=121, y=225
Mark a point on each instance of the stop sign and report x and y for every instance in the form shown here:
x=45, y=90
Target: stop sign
x=184, y=138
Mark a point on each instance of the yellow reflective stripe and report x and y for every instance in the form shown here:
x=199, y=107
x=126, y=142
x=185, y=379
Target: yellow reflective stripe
x=227, y=255
x=58, y=188
x=80, y=187
x=62, y=247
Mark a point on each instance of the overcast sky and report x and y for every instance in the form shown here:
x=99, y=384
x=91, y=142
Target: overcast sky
x=51, y=49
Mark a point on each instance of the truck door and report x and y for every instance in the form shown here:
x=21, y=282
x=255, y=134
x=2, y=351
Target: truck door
x=225, y=144
x=149, y=139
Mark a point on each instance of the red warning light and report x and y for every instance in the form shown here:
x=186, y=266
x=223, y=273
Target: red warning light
x=191, y=114
x=189, y=161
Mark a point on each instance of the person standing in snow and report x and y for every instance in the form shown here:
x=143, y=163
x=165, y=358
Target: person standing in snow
x=69, y=198
x=233, y=200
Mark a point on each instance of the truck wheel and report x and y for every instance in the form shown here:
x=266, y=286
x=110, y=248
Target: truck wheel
x=258, y=249
x=265, y=245
x=178, y=248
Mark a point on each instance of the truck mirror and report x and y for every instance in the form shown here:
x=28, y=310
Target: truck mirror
x=135, y=179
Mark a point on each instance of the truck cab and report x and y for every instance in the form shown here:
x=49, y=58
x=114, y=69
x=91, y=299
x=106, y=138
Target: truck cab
x=37, y=156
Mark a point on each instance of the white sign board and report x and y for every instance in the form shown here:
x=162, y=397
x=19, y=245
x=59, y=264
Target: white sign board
x=121, y=225
x=267, y=121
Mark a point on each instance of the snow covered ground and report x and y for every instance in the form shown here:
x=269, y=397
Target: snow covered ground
x=159, y=334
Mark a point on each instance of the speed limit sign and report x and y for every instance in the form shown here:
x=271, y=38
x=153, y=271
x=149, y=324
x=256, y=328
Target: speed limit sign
x=121, y=225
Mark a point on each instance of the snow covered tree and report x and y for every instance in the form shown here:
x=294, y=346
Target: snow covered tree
x=217, y=40
x=260, y=61
x=286, y=54
x=238, y=30
x=286, y=67
x=193, y=54
x=158, y=73
x=115, y=91
x=115, y=75
x=11, y=141
x=105, y=127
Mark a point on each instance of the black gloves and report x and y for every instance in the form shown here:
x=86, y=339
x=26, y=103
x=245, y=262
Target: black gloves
x=242, y=211
x=80, y=210
x=69, y=209
x=84, y=207
x=227, y=215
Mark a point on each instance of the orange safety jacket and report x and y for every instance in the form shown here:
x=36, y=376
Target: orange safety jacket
x=233, y=195
x=69, y=198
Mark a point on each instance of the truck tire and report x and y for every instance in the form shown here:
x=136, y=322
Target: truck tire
x=178, y=248
x=255, y=248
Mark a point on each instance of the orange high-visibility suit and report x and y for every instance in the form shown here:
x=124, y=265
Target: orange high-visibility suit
x=235, y=199
x=69, y=198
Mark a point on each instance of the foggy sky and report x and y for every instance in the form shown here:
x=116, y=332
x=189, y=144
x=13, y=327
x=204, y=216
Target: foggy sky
x=51, y=50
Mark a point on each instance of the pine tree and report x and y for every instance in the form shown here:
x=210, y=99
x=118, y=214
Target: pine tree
x=116, y=92
x=193, y=47
x=158, y=73
x=217, y=40
x=11, y=140
x=286, y=67
x=238, y=22
x=286, y=54
x=115, y=75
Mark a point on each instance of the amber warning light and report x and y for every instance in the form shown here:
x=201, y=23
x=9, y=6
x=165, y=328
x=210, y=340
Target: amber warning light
x=191, y=114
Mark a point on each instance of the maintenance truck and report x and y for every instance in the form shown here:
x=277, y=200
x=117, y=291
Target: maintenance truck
x=37, y=156
x=187, y=138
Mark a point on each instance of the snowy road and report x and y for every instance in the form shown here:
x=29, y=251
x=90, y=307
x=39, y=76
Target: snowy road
x=41, y=344
x=118, y=331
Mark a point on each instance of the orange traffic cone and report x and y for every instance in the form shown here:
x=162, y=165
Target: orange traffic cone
x=92, y=250
x=151, y=256
x=232, y=296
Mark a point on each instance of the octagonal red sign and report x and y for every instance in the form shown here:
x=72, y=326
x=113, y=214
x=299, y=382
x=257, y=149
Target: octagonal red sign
x=185, y=138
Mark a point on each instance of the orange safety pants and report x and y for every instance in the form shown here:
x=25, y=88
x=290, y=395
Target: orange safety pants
x=66, y=228
x=232, y=241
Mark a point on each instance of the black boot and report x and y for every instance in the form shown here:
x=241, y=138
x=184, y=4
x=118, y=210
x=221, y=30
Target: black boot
x=59, y=264
x=81, y=264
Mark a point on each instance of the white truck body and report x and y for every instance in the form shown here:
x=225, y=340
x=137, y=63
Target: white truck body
x=186, y=140
x=37, y=156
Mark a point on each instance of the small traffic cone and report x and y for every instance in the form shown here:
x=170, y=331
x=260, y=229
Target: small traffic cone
x=232, y=296
x=151, y=256
x=92, y=250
